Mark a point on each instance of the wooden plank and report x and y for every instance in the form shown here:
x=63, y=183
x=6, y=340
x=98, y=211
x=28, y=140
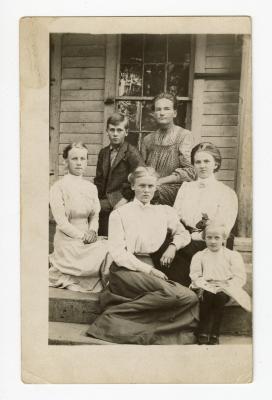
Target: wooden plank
x=228, y=164
x=82, y=94
x=92, y=148
x=72, y=62
x=78, y=73
x=82, y=105
x=244, y=177
x=221, y=97
x=54, y=104
x=81, y=116
x=79, y=84
x=220, y=39
x=222, y=141
x=91, y=138
x=233, y=63
x=71, y=127
x=90, y=170
x=92, y=159
x=224, y=50
x=220, y=119
x=227, y=85
x=219, y=130
x=225, y=175
x=111, y=63
x=222, y=108
x=225, y=71
x=83, y=51
x=228, y=152
x=75, y=39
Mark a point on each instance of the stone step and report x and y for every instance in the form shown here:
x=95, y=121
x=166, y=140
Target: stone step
x=61, y=333
x=244, y=246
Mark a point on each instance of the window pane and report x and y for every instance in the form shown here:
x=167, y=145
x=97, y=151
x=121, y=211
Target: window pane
x=181, y=114
x=179, y=48
x=132, y=49
x=132, y=110
x=154, y=77
x=148, y=119
x=178, y=79
x=130, y=81
x=155, y=48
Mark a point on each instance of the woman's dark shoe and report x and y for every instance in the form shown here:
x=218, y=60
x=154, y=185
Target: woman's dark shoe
x=214, y=339
x=203, y=338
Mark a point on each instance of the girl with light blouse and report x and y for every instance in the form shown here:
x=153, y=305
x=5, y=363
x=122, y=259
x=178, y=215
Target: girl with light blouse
x=141, y=305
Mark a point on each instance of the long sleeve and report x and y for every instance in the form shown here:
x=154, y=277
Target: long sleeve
x=196, y=273
x=228, y=209
x=179, y=200
x=99, y=178
x=186, y=171
x=238, y=269
x=93, y=224
x=181, y=236
x=58, y=211
x=118, y=246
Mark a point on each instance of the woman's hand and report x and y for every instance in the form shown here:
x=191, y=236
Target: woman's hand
x=89, y=237
x=168, y=256
x=158, y=274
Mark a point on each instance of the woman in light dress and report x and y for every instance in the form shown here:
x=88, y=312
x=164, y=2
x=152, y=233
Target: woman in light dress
x=140, y=305
x=168, y=150
x=79, y=259
x=197, y=203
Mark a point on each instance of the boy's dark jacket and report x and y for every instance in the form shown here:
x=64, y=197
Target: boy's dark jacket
x=112, y=182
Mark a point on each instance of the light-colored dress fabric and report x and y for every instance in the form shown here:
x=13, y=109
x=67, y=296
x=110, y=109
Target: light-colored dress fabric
x=170, y=154
x=73, y=264
x=141, y=229
x=224, y=268
x=207, y=196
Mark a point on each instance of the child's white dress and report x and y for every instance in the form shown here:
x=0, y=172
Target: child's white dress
x=220, y=271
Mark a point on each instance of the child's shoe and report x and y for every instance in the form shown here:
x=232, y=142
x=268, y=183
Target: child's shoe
x=203, y=338
x=214, y=339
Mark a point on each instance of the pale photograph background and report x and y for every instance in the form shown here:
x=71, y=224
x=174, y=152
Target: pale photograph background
x=10, y=335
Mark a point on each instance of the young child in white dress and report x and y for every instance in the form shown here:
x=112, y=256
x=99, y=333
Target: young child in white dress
x=217, y=274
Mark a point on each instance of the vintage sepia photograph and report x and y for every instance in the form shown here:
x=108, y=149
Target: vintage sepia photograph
x=148, y=236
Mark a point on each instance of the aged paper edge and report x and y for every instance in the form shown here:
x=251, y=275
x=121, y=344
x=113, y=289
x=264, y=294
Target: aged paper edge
x=94, y=364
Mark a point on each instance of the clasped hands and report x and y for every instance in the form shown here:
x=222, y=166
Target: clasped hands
x=89, y=236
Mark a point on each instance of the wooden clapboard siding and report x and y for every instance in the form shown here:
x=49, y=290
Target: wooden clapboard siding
x=82, y=88
x=218, y=99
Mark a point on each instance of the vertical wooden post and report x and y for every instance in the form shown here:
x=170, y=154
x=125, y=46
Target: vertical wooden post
x=244, y=178
x=54, y=108
x=198, y=88
x=110, y=80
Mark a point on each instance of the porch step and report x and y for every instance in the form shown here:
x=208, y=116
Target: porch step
x=61, y=333
x=83, y=308
x=244, y=246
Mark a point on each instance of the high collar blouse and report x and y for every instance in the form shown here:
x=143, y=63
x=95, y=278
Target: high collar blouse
x=141, y=229
x=207, y=196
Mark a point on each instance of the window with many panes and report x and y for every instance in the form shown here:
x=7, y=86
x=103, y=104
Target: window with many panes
x=148, y=65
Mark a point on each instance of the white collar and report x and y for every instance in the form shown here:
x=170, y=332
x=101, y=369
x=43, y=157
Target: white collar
x=204, y=182
x=74, y=177
x=140, y=204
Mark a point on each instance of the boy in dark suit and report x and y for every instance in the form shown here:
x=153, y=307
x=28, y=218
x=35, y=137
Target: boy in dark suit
x=115, y=162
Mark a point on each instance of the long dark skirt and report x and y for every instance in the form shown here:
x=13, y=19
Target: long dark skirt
x=142, y=309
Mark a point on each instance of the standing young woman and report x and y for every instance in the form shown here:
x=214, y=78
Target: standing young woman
x=199, y=202
x=140, y=305
x=168, y=150
x=78, y=257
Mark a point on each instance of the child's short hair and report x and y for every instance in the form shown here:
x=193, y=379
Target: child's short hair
x=116, y=119
x=216, y=225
